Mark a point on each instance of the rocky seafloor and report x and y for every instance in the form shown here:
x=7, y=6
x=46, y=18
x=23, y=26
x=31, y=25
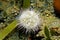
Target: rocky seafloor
x=8, y=13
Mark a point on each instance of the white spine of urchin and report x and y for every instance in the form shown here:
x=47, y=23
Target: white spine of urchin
x=29, y=20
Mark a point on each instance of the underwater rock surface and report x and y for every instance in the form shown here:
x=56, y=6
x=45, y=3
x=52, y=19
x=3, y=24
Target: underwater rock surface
x=9, y=11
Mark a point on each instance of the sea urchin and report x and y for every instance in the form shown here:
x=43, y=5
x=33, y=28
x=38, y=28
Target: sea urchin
x=30, y=21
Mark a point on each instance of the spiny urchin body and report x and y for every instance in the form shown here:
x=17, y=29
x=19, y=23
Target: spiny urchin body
x=29, y=20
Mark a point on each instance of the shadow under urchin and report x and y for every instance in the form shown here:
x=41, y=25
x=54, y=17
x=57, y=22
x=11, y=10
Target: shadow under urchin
x=23, y=30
